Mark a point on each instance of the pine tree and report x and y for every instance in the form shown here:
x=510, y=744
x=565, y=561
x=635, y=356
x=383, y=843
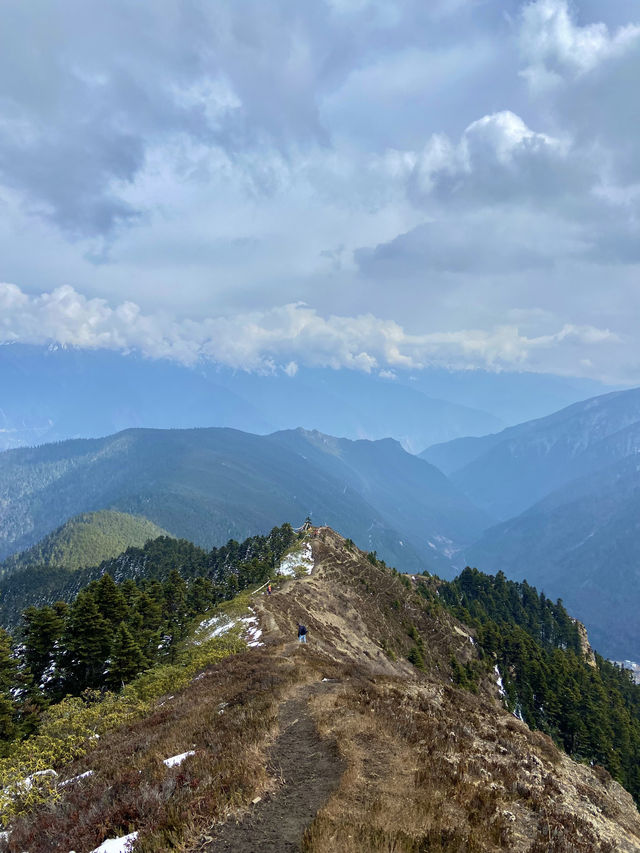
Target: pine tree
x=8, y=679
x=126, y=658
x=87, y=641
x=175, y=608
x=110, y=600
x=42, y=629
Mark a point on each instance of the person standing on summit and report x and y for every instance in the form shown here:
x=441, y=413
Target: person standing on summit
x=302, y=634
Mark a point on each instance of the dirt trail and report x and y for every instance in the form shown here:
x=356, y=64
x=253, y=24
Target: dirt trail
x=310, y=770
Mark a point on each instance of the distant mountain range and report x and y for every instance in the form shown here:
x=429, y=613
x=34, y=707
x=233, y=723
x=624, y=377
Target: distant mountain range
x=55, y=394
x=568, y=486
x=555, y=500
x=507, y=472
x=210, y=485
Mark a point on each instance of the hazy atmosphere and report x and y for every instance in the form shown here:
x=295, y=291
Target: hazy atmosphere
x=379, y=186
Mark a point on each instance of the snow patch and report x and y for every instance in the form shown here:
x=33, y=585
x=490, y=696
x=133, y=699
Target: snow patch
x=219, y=625
x=27, y=783
x=300, y=562
x=176, y=760
x=253, y=632
x=117, y=845
x=75, y=778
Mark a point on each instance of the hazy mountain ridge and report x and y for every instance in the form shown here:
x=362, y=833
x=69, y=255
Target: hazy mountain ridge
x=210, y=485
x=582, y=543
x=57, y=394
x=417, y=500
x=568, y=487
x=507, y=472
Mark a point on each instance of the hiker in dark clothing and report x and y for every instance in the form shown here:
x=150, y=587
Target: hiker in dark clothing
x=302, y=634
x=268, y=589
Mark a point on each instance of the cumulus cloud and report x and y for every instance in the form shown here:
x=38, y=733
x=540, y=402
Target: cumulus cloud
x=556, y=47
x=497, y=158
x=280, y=338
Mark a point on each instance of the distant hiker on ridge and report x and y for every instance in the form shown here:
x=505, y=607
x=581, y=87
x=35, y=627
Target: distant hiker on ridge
x=302, y=633
x=268, y=589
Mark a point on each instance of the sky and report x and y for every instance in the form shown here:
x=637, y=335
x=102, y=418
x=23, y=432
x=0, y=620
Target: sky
x=366, y=184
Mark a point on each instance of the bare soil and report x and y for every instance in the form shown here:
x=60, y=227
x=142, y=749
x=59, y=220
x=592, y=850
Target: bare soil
x=308, y=770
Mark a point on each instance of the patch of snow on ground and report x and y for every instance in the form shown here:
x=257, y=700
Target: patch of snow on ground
x=252, y=633
x=219, y=625
x=27, y=783
x=75, y=778
x=499, y=681
x=176, y=760
x=117, y=845
x=302, y=559
x=214, y=627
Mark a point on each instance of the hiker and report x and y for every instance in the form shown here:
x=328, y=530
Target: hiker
x=302, y=634
x=268, y=589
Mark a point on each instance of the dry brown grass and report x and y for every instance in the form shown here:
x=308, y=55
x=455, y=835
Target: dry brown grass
x=410, y=784
x=227, y=716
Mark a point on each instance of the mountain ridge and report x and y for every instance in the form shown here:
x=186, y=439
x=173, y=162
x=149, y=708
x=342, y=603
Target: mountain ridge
x=391, y=683
x=213, y=484
x=509, y=471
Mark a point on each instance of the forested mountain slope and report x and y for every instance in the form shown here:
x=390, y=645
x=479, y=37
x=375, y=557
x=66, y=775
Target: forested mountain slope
x=43, y=585
x=507, y=472
x=393, y=697
x=581, y=543
x=210, y=485
x=86, y=540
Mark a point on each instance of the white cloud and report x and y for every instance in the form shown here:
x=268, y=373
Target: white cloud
x=497, y=158
x=270, y=340
x=555, y=47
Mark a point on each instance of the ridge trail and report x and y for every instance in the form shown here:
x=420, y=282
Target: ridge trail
x=310, y=769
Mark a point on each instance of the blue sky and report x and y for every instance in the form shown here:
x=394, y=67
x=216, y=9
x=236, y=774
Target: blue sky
x=370, y=185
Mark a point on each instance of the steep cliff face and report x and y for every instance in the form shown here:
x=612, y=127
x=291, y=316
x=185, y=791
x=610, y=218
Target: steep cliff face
x=585, y=645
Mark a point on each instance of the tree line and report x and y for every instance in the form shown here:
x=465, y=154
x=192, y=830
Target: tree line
x=111, y=631
x=590, y=708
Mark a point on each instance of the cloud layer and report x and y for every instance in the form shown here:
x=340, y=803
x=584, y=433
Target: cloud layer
x=348, y=182
x=281, y=338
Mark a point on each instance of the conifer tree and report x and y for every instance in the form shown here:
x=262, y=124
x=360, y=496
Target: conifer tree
x=42, y=629
x=8, y=679
x=175, y=608
x=126, y=659
x=110, y=600
x=87, y=642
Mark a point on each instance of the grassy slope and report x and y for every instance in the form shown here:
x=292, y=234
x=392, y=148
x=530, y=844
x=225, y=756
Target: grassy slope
x=86, y=540
x=427, y=766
